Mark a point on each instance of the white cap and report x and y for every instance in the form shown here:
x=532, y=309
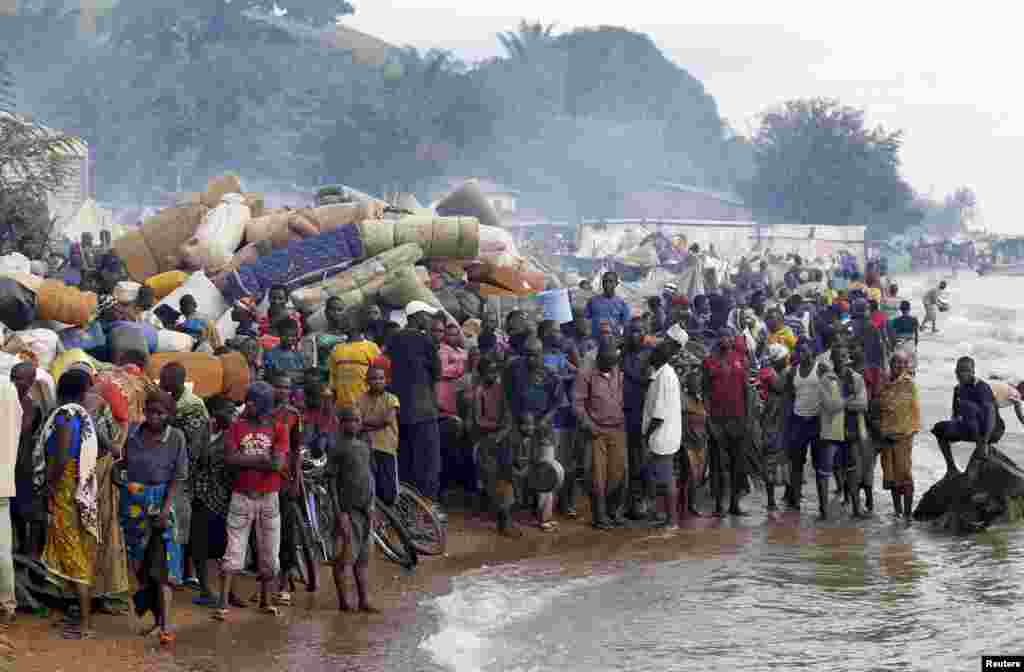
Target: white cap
x=414, y=307
x=777, y=351
x=678, y=334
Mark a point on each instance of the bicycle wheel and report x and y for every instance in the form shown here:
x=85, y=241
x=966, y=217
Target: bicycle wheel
x=326, y=524
x=305, y=559
x=391, y=536
x=429, y=535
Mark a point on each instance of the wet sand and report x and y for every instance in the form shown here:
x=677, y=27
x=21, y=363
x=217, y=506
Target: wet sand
x=243, y=642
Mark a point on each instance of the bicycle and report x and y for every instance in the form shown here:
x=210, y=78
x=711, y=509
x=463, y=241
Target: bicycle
x=429, y=535
x=388, y=531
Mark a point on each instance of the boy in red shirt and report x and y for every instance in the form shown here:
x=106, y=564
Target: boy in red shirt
x=257, y=446
x=291, y=418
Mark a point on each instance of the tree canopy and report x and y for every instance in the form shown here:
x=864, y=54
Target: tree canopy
x=168, y=94
x=818, y=163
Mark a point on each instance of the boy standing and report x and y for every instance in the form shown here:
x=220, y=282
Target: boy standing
x=288, y=416
x=504, y=460
x=257, y=447
x=285, y=357
x=379, y=410
x=352, y=489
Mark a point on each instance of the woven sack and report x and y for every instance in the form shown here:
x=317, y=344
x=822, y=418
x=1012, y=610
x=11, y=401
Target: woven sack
x=216, y=187
x=271, y=226
x=310, y=298
x=167, y=230
x=413, y=229
x=256, y=203
x=404, y=285
x=378, y=236
x=137, y=257
x=57, y=302
x=220, y=234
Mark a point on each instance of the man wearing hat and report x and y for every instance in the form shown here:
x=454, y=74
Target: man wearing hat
x=415, y=369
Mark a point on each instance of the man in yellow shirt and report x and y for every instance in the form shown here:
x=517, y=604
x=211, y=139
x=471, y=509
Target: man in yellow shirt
x=349, y=363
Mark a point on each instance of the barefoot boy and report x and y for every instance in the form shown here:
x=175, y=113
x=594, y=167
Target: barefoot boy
x=352, y=486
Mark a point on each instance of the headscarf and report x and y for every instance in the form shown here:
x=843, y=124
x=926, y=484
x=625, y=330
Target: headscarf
x=85, y=493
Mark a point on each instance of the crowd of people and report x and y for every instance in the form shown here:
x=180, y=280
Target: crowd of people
x=130, y=484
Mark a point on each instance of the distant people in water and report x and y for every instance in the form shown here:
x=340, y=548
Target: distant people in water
x=934, y=302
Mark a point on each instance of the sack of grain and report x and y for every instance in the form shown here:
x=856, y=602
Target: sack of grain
x=220, y=234
x=137, y=257
x=216, y=187
x=163, y=284
x=167, y=230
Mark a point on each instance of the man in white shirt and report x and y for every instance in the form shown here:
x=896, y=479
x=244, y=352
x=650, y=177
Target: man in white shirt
x=10, y=437
x=663, y=429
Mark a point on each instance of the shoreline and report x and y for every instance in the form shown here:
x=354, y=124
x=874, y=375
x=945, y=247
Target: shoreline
x=473, y=544
x=250, y=639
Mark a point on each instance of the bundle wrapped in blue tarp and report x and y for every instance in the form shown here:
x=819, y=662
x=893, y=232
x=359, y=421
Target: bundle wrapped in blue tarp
x=324, y=255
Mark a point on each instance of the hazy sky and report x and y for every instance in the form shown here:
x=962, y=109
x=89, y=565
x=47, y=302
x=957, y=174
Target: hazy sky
x=942, y=74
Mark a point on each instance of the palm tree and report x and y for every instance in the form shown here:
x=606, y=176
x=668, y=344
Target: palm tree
x=521, y=43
